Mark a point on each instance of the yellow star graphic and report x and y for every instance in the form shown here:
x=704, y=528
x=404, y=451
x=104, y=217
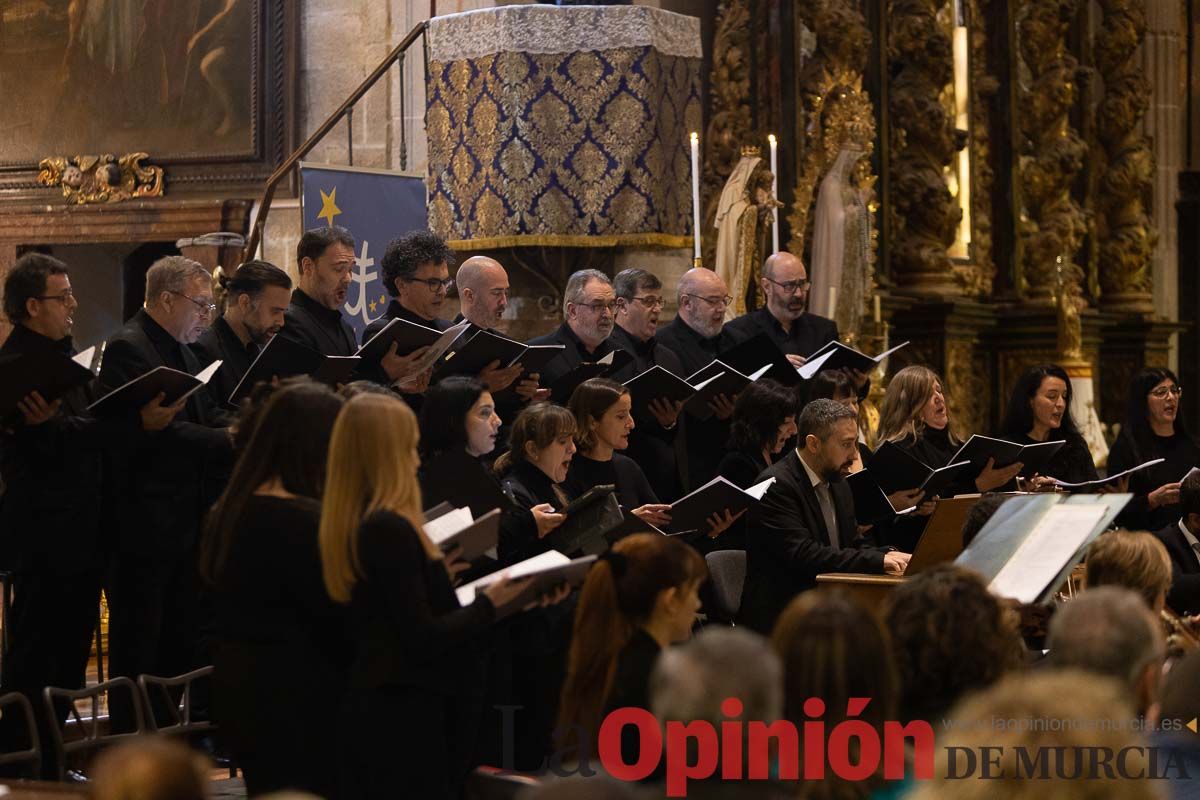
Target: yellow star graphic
x=372, y=304
x=329, y=207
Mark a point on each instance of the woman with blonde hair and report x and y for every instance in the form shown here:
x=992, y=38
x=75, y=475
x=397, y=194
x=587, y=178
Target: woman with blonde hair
x=1135, y=560
x=641, y=597
x=408, y=714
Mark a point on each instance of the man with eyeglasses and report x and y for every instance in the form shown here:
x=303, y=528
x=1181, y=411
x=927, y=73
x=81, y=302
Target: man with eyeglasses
x=652, y=441
x=51, y=510
x=588, y=318
x=325, y=258
x=162, y=489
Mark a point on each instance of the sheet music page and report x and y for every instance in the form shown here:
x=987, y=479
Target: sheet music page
x=442, y=528
x=539, y=563
x=813, y=366
x=1047, y=548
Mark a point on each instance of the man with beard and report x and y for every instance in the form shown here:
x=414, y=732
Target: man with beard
x=785, y=285
x=652, y=441
x=698, y=335
x=483, y=297
x=256, y=299
x=588, y=307
x=805, y=524
x=325, y=258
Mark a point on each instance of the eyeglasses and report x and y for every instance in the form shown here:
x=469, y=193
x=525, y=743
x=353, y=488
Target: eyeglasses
x=599, y=306
x=62, y=298
x=651, y=301
x=433, y=284
x=204, y=306
x=1161, y=392
x=791, y=287
x=712, y=301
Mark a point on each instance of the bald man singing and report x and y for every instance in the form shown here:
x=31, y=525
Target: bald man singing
x=483, y=297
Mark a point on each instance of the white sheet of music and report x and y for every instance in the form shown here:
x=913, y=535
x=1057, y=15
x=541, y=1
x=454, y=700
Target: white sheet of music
x=1045, y=551
x=530, y=566
x=440, y=529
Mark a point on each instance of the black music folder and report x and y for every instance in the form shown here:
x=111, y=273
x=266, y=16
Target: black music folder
x=716, y=379
x=653, y=384
x=895, y=470
x=283, y=358
x=50, y=373
x=759, y=349
x=835, y=355
x=978, y=449
x=871, y=504
x=690, y=513
x=589, y=519
x=408, y=336
x=561, y=390
x=473, y=355
x=545, y=572
x=477, y=538
x=172, y=383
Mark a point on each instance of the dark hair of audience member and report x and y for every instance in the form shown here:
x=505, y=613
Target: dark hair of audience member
x=1137, y=409
x=290, y=442
x=1018, y=418
x=27, y=279
x=832, y=384
x=149, y=768
x=835, y=649
x=589, y=402
x=251, y=407
x=758, y=412
x=355, y=388
x=1135, y=560
x=950, y=636
x=619, y=595
x=538, y=425
x=443, y=418
x=978, y=516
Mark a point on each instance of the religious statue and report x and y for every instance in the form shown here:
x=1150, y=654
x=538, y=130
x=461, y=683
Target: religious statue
x=743, y=224
x=841, y=269
x=1069, y=302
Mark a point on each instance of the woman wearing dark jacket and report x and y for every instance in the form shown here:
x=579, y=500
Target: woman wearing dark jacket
x=1039, y=410
x=279, y=636
x=1154, y=428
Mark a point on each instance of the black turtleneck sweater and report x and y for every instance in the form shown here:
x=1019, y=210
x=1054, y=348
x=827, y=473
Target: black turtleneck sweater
x=221, y=342
x=633, y=490
x=311, y=324
x=1180, y=454
x=527, y=486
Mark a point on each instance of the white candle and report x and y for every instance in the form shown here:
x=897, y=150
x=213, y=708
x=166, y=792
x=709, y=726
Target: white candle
x=695, y=137
x=832, y=302
x=876, y=315
x=774, y=192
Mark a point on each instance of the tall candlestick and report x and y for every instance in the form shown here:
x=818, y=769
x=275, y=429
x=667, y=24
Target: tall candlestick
x=833, y=302
x=695, y=137
x=875, y=314
x=774, y=192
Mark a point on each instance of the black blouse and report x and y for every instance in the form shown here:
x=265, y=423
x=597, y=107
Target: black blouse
x=633, y=490
x=1180, y=453
x=527, y=486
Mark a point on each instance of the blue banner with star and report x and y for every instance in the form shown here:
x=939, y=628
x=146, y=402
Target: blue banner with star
x=374, y=205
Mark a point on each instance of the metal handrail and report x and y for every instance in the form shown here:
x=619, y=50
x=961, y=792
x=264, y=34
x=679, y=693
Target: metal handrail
x=264, y=206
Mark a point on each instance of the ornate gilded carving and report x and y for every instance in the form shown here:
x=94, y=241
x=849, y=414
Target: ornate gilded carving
x=923, y=213
x=836, y=112
x=729, y=111
x=978, y=275
x=1127, y=237
x=1052, y=224
x=101, y=179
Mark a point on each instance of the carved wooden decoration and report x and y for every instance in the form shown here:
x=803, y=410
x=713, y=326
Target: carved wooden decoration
x=1052, y=223
x=923, y=213
x=1127, y=237
x=979, y=275
x=102, y=179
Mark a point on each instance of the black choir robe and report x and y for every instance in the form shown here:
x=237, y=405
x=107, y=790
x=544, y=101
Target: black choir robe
x=220, y=342
x=311, y=324
x=574, y=354
x=808, y=333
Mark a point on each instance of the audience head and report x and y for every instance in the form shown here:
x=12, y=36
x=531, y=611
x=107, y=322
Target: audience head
x=589, y=305
x=834, y=384
x=1040, y=405
x=179, y=297
x=639, y=302
x=828, y=438
x=950, y=636
x=1135, y=560
x=150, y=768
x=458, y=413
x=689, y=682
x=914, y=401
x=355, y=388
x=703, y=298
x=785, y=284
x=325, y=258
x=1081, y=703
x=482, y=291
x=646, y=581
x=764, y=418
x=835, y=649
x=372, y=467
x=37, y=294
x=542, y=436
x=978, y=516
x=1189, y=502
x=416, y=271
x=286, y=442
x=1110, y=631
x=603, y=415
x=1154, y=402
x=257, y=295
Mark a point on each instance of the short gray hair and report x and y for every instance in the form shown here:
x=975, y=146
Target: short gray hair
x=691, y=681
x=1108, y=630
x=578, y=282
x=172, y=274
x=819, y=417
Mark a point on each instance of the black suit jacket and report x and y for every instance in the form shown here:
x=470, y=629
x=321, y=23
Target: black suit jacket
x=311, y=324
x=219, y=342
x=1184, y=595
x=787, y=544
x=163, y=487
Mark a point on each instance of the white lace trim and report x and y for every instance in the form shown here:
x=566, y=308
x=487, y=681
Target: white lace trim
x=561, y=29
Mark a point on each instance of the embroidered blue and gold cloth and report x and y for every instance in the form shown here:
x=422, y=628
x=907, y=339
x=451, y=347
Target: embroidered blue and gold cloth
x=562, y=126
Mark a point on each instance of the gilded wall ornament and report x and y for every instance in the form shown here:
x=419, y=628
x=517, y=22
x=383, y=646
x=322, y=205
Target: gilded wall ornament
x=1126, y=233
x=981, y=272
x=101, y=179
